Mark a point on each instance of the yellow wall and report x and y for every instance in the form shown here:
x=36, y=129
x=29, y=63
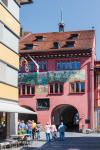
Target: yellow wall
x=9, y=20
x=8, y=92
x=9, y=56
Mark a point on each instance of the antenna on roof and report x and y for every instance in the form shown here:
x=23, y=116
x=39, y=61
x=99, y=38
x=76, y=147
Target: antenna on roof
x=61, y=17
x=61, y=24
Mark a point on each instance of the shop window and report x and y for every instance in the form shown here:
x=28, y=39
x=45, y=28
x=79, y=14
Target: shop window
x=68, y=65
x=77, y=87
x=56, y=88
x=42, y=65
x=43, y=104
x=5, y=2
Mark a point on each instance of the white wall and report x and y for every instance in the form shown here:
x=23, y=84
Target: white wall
x=13, y=8
x=8, y=74
x=8, y=38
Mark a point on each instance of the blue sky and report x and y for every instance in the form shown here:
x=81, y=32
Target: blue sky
x=44, y=16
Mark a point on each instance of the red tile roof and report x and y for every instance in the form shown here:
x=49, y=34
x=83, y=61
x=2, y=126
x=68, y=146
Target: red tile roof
x=84, y=40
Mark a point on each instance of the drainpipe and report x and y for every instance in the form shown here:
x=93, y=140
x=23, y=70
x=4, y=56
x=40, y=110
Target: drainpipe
x=37, y=66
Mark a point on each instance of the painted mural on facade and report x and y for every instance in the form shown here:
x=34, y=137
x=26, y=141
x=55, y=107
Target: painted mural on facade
x=43, y=78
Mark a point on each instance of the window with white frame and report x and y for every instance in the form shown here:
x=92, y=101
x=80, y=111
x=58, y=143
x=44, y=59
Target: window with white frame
x=77, y=87
x=56, y=88
x=27, y=89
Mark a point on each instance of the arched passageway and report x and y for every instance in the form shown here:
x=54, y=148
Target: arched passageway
x=68, y=114
x=27, y=117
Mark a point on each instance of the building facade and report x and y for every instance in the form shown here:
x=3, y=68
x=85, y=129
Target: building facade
x=97, y=94
x=56, y=77
x=9, y=64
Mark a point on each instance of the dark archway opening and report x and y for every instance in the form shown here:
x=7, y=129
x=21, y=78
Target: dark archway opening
x=68, y=115
x=27, y=117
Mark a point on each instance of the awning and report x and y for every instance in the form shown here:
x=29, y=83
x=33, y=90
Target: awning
x=14, y=107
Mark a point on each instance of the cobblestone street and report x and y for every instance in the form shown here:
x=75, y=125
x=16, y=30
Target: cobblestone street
x=73, y=141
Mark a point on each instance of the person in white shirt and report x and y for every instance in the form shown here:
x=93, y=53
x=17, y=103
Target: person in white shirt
x=47, y=131
x=53, y=131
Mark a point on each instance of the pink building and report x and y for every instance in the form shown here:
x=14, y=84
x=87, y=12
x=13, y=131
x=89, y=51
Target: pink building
x=63, y=88
x=97, y=95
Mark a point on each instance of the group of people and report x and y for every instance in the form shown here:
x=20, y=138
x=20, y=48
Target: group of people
x=51, y=131
x=33, y=129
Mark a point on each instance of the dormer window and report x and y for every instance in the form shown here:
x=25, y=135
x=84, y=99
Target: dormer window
x=28, y=46
x=70, y=44
x=56, y=45
x=73, y=36
x=39, y=38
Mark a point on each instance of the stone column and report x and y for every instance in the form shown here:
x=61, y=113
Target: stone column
x=12, y=123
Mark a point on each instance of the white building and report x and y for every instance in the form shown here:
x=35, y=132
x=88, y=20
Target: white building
x=9, y=65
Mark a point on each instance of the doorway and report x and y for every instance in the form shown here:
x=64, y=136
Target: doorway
x=67, y=114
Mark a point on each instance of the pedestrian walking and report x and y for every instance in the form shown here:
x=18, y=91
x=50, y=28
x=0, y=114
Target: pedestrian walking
x=33, y=129
x=47, y=131
x=22, y=127
x=53, y=132
x=61, y=130
x=38, y=130
x=29, y=127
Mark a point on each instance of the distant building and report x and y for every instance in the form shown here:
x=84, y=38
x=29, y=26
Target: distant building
x=63, y=89
x=97, y=94
x=9, y=65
